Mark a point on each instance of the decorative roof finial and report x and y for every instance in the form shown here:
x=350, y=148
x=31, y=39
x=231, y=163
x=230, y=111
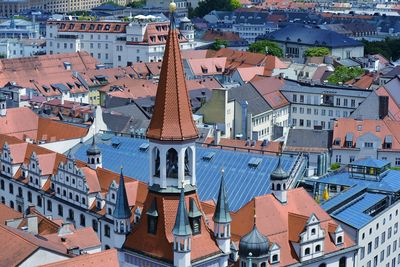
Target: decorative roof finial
x=172, y=7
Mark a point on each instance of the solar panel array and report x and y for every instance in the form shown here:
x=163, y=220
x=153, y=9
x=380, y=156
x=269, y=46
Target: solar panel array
x=243, y=182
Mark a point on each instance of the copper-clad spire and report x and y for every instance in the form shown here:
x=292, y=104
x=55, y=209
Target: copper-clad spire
x=172, y=117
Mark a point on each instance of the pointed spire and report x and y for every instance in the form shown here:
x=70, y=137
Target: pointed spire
x=279, y=173
x=122, y=210
x=182, y=226
x=221, y=214
x=172, y=117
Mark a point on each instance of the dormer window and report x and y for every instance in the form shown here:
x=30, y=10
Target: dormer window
x=339, y=240
x=112, y=196
x=313, y=231
x=107, y=27
x=83, y=26
x=204, y=69
x=194, y=217
x=152, y=218
x=98, y=205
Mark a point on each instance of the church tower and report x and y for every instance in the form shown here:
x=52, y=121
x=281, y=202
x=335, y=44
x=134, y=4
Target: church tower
x=167, y=230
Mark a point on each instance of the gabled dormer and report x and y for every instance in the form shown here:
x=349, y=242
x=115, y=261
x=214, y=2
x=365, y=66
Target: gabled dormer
x=338, y=236
x=6, y=161
x=312, y=239
x=111, y=198
x=34, y=172
x=275, y=254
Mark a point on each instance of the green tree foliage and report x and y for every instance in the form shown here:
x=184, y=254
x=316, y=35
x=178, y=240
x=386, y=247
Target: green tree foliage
x=218, y=44
x=266, y=47
x=343, y=74
x=389, y=48
x=335, y=166
x=137, y=4
x=207, y=6
x=317, y=52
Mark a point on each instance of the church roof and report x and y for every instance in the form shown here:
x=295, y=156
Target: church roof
x=172, y=118
x=122, y=210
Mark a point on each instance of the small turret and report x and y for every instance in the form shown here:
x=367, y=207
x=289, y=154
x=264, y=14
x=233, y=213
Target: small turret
x=94, y=158
x=222, y=219
x=182, y=234
x=121, y=214
x=279, y=182
x=3, y=105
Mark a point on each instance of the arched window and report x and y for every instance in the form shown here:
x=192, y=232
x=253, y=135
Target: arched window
x=20, y=191
x=11, y=204
x=92, y=160
x=317, y=248
x=278, y=187
x=70, y=215
x=107, y=247
x=307, y=251
x=77, y=198
x=2, y=185
x=263, y=264
x=322, y=265
x=284, y=186
x=273, y=186
x=11, y=188
x=313, y=231
x=172, y=163
x=39, y=201
x=188, y=161
x=29, y=196
x=19, y=208
x=3, y=200
x=95, y=225
x=156, y=158
x=339, y=240
x=98, y=160
x=107, y=230
x=83, y=220
x=49, y=205
x=60, y=210
x=342, y=262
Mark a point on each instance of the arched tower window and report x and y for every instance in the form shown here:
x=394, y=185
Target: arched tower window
x=172, y=163
x=188, y=161
x=156, y=158
x=278, y=187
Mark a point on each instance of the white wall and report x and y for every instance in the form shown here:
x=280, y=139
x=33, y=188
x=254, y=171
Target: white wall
x=41, y=257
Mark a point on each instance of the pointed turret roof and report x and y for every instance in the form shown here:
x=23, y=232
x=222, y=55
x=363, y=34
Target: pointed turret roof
x=93, y=149
x=221, y=214
x=172, y=117
x=182, y=226
x=122, y=210
x=279, y=173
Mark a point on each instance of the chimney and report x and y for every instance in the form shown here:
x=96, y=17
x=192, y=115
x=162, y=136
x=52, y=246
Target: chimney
x=62, y=98
x=217, y=136
x=32, y=224
x=65, y=229
x=383, y=106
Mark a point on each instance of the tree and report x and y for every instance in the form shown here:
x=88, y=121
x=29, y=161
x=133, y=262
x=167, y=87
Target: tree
x=266, y=47
x=207, y=6
x=317, y=52
x=388, y=48
x=343, y=74
x=137, y=4
x=218, y=44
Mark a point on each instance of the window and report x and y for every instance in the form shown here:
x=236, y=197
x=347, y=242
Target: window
x=307, y=251
x=71, y=215
x=60, y=210
x=82, y=220
x=39, y=201
x=362, y=253
x=294, y=98
x=29, y=196
x=369, y=247
x=397, y=161
x=301, y=98
x=383, y=237
x=388, y=250
x=95, y=225
x=342, y=262
x=107, y=230
x=389, y=232
x=294, y=109
x=376, y=242
x=317, y=248
x=301, y=122
x=275, y=258
x=338, y=158
x=368, y=144
x=353, y=103
x=309, y=111
x=2, y=185
x=382, y=256
x=49, y=205
x=11, y=189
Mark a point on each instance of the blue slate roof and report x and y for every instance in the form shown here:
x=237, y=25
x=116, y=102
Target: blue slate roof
x=296, y=33
x=354, y=214
x=390, y=181
x=242, y=183
x=370, y=162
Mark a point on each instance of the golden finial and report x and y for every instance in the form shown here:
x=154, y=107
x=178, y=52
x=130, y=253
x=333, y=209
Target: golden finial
x=172, y=7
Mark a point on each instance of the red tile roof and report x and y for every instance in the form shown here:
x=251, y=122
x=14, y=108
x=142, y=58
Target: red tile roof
x=7, y=213
x=349, y=125
x=16, y=246
x=23, y=122
x=269, y=88
x=240, y=145
x=107, y=258
x=207, y=66
x=82, y=238
x=283, y=223
x=89, y=26
x=172, y=116
x=160, y=245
